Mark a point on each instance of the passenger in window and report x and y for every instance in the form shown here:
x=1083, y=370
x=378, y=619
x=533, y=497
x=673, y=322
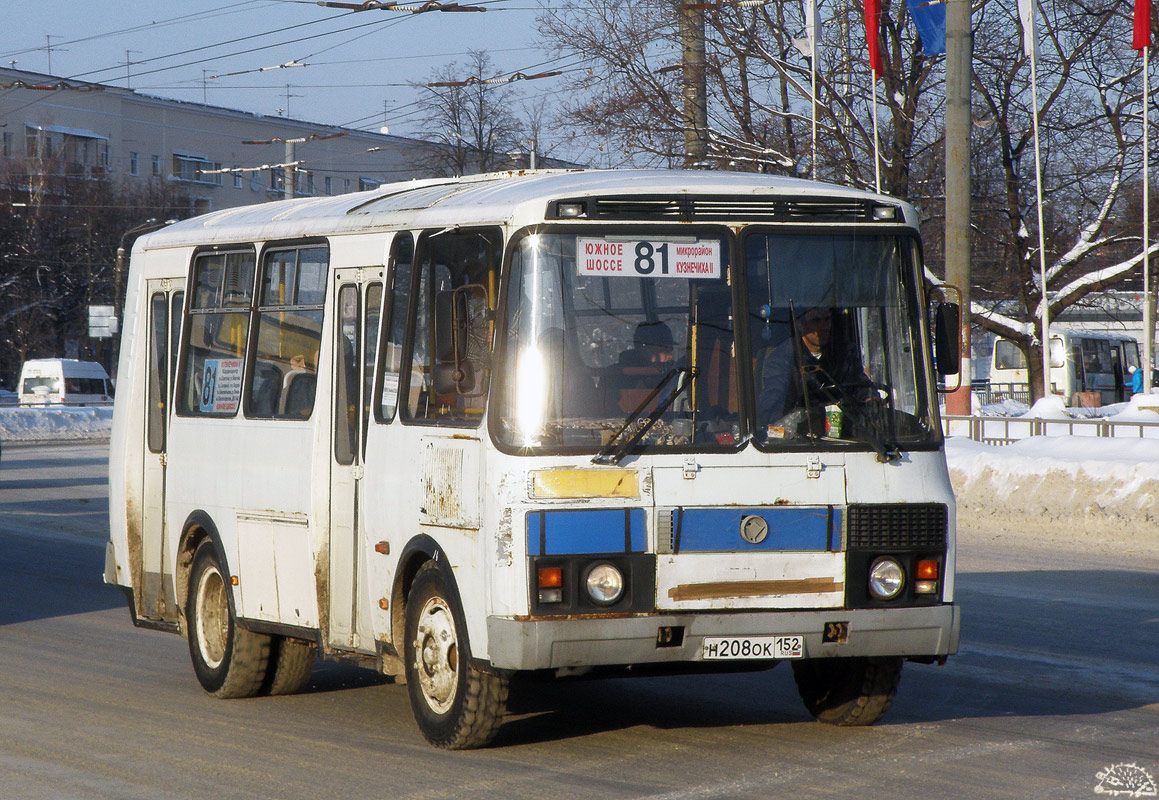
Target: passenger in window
x=652, y=343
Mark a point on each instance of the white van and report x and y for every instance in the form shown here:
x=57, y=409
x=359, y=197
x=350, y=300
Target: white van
x=64, y=381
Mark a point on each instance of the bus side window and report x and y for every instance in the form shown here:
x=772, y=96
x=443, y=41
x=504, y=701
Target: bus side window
x=283, y=378
x=449, y=261
x=394, y=324
x=217, y=329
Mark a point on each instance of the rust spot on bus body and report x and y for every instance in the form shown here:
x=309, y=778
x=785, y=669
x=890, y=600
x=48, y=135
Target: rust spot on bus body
x=716, y=591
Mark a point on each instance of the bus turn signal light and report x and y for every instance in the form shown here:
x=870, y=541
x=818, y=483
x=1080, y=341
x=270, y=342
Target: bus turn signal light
x=550, y=577
x=927, y=570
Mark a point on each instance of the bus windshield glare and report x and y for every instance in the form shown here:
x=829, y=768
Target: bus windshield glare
x=612, y=337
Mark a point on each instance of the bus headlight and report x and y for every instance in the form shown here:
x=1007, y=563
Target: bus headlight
x=886, y=579
x=605, y=584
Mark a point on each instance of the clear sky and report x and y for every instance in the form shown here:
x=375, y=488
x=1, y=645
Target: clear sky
x=361, y=64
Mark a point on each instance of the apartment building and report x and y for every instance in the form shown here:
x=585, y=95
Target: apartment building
x=213, y=157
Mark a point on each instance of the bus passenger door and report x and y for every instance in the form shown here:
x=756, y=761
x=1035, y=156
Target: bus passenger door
x=358, y=300
x=165, y=304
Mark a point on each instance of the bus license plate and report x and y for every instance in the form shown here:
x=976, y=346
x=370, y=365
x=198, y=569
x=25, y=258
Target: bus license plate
x=718, y=648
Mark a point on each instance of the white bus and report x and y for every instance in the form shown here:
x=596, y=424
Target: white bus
x=460, y=429
x=1080, y=361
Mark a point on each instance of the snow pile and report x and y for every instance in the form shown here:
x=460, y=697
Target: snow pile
x=1087, y=489
x=1052, y=407
x=34, y=423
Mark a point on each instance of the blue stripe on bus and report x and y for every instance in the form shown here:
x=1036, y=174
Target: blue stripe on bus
x=557, y=533
x=793, y=528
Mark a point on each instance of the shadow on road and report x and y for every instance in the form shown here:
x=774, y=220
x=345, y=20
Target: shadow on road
x=43, y=578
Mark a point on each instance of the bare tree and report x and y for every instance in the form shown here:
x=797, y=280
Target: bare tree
x=471, y=123
x=1089, y=107
x=58, y=239
x=759, y=86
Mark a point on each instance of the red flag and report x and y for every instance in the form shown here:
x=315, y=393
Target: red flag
x=1142, y=28
x=872, y=18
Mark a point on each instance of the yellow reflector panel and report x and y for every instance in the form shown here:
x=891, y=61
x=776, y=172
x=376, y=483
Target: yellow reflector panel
x=551, y=483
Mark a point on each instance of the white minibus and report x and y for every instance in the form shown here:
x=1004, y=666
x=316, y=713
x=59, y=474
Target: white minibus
x=64, y=381
x=1080, y=361
x=564, y=423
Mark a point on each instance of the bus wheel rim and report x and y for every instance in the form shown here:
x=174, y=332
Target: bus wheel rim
x=436, y=651
x=212, y=624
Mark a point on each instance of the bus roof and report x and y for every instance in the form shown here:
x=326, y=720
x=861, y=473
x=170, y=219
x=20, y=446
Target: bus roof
x=508, y=196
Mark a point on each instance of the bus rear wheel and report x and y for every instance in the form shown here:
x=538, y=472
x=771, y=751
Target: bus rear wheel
x=848, y=691
x=228, y=660
x=456, y=706
x=291, y=664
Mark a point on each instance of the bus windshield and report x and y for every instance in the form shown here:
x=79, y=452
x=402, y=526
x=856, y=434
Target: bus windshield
x=835, y=326
x=627, y=340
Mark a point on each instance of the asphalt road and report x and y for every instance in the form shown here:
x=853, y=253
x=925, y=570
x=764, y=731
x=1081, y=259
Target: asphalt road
x=1057, y=682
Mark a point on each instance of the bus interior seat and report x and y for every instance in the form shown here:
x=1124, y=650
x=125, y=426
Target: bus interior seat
x=267, y=390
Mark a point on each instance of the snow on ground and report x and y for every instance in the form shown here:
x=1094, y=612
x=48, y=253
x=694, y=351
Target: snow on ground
x=37, y=424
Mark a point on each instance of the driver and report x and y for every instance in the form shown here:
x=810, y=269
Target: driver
x=808, y=365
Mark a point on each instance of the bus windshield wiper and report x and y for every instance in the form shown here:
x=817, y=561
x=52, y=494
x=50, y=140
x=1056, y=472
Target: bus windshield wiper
x=611, y=453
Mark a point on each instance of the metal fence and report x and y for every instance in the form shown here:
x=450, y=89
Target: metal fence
x=997, y=392
x=1004, y=430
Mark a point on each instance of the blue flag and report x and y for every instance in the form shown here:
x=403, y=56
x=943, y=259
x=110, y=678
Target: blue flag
x=930, y=20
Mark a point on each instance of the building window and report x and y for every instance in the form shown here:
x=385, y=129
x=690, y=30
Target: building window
x=134, y=166
x=328, y=183
x=238, y=180
x=156, y=166
x=196, y=169
x=7, y=145
x=345, y=184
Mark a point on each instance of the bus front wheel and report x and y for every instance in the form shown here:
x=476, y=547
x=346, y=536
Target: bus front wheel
x=229, y=661
x=848, y=691
x=456, y=706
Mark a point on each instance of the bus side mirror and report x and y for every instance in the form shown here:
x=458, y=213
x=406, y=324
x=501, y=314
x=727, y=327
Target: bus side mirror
x=947, y=355
x=461, y=320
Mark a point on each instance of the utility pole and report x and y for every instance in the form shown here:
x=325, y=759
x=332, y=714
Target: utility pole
x=291, y=170
x=959, y=52
x=695, y=92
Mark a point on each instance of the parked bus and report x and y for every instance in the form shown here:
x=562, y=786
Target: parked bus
x=1080, y=361
x=64, y=381
x=461, y=429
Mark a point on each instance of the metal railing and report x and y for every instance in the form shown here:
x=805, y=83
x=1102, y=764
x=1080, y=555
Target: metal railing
x=1004, y=430
x=997, y=392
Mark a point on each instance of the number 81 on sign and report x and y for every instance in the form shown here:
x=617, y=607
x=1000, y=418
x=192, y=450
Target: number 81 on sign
x=648, y=258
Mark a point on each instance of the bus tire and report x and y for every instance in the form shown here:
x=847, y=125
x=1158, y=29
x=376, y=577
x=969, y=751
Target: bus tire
x=228, y=660
x=848, y=691
x=456, y=706
x=291, y=664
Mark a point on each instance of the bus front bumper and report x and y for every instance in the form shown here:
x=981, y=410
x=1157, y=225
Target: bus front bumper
x=546, y=643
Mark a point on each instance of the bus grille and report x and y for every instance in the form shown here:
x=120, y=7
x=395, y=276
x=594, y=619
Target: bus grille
x=766, y=209
x=901, y=526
